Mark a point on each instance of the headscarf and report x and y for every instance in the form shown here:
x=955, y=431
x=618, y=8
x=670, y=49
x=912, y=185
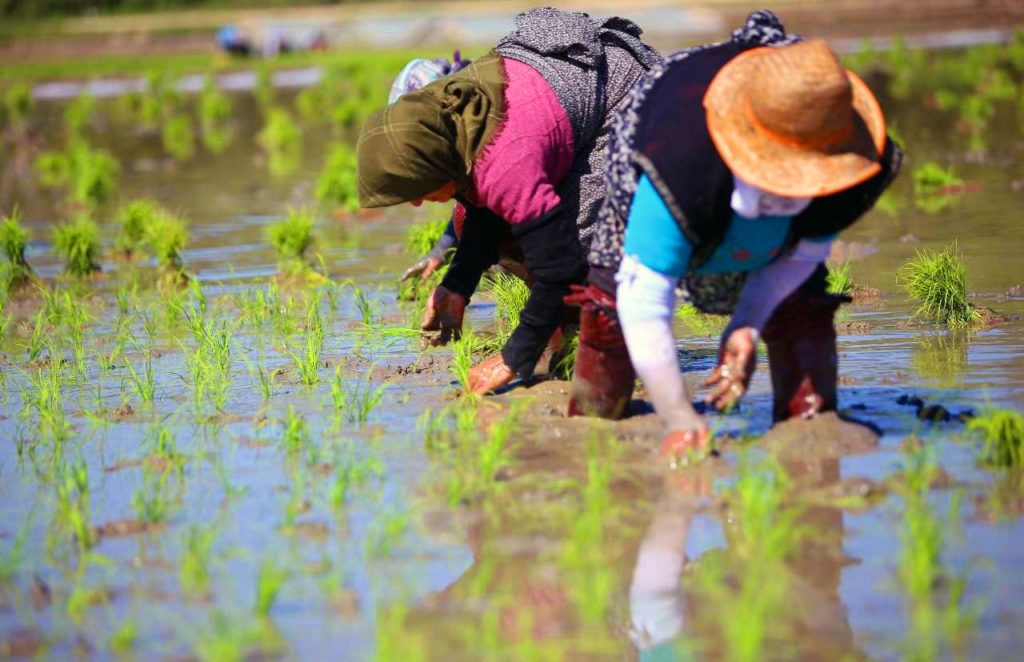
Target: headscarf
x=420, y=72
x=432, y=136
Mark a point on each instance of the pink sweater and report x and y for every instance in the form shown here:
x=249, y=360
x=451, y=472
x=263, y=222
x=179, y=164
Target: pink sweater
x=516, y=176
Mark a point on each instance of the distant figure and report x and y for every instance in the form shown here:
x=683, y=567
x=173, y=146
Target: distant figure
x=231, y=39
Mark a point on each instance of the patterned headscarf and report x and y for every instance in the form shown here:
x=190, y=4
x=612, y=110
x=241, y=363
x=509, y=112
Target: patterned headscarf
x=421, y=72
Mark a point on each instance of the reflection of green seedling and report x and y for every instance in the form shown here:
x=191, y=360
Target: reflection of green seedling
x=281, y=139
x=214, y=112
x=269, y=580
x=938, y=282
x=178, y=137
x=934, y=594
x=195, y=560
x=73, y=503
x=79, y=242
x=1003, y=434
x=149, y=502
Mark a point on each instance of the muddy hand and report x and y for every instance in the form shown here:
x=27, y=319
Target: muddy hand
x=680, y=447
x=424, y=268
x=490, y=374
x=442, y=321
x=737, y=358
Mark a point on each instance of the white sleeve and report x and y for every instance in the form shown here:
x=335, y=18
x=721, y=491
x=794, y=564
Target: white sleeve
x=768, y=286
x=645, y=302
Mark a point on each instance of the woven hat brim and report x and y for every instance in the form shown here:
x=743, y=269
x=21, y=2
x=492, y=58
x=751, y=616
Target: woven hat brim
x=782, y=168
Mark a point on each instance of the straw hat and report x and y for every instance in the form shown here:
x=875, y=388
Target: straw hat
x=793, y=122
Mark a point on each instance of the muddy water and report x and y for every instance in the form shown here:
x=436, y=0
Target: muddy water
x=539, y=564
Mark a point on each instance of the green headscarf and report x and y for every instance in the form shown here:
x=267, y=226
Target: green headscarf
x=431, y=136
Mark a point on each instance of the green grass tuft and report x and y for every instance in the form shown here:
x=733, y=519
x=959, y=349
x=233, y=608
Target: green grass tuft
x=421, y=238
x=13, y=239
x=337, y=184
x=1003, y=434
x=937, y=280
x=78, y=242
x=292, y=236
x=134, y=220
x=839, y=280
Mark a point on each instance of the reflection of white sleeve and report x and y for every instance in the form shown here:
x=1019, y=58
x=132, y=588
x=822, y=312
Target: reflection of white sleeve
x=768, y=286
x=645, y=301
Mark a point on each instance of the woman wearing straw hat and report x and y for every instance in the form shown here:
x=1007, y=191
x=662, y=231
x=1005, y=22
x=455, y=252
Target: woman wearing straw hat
x=731, y=171
x=518, y=137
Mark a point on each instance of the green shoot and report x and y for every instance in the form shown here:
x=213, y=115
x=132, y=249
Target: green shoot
x=938, y=282
x=79, y=243
x=1003, y=433
x=421, y=238
x=13, y=239
x=269, y=580
x=291, y=238
x=839, y=280
x=337, y=184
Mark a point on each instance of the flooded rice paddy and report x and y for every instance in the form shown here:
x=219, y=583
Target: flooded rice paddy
x=260, y=465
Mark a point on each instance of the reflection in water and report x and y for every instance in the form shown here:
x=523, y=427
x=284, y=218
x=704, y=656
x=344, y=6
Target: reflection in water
x=775, y=586
x=941, y=358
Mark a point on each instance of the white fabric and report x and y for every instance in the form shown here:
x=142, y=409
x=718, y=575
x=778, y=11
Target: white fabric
x=643, y=293
x=751, y=202
x=645, y=300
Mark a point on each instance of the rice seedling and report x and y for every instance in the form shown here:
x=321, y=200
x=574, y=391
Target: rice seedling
x=291, y=238
x=142, y=380
x=937, y=280
x=269, y=580
x=337, y=185
x=167, y=236
x=462, y=358
x=133, y=220
x=178, y=137
x=839, y=280
x=1002, y=433
x=308, y=363
x=356, y=398
x=281, y=139
x=363, y=305
x=295, y=435
x=421, y=238
x=700, y=323
x=13, y=239
x=197, y=548
x=78, y=242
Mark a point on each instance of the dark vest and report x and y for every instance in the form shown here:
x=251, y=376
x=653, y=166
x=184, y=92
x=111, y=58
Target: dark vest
x=674, y=149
